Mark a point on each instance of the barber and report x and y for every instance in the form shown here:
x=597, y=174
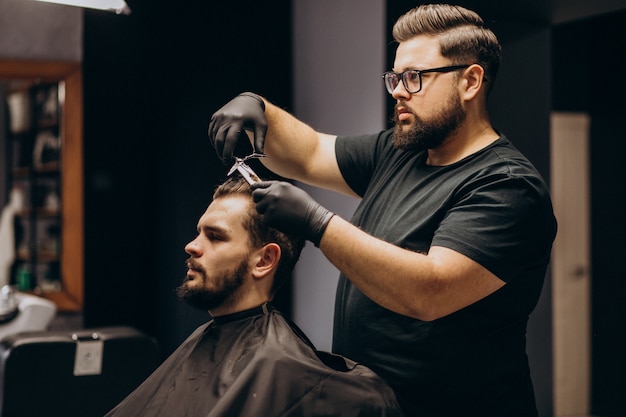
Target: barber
x=445, y=256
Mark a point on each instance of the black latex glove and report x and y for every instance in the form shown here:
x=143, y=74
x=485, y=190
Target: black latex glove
x=291, y=210
x=246, y=111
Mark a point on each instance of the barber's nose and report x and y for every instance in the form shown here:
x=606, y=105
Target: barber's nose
x=400, y=92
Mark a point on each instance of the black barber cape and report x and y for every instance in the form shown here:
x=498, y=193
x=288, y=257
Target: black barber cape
x=257, y=363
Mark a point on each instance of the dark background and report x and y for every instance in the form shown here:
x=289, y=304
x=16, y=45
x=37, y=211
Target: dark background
x=151, y=82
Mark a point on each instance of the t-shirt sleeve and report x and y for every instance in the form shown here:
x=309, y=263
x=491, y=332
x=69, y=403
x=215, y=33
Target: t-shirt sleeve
x=504, y=223
x=357, y=157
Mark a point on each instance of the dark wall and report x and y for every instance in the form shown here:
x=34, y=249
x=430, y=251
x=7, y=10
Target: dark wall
x=151, y=82
x=590, y=61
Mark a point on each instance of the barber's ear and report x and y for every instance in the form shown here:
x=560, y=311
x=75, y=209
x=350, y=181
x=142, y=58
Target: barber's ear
x=267, y=260
x=473, y=77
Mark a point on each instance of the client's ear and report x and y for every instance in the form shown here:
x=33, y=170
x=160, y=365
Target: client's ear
x=267, y=261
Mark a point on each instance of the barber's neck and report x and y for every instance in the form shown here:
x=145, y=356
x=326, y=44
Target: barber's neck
x=464, y=142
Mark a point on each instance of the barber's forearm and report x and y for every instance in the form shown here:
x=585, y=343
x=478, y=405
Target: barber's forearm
x=296, y=151
x=379, y=269
x=426, y=287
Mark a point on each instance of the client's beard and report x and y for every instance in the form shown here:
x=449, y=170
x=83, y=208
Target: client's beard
x=209, y=299
x=428, y=134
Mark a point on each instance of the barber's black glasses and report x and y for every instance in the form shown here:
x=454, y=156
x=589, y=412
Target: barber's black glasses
x=412, y=79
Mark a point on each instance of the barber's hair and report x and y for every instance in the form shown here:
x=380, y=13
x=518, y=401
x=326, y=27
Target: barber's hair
x=260, y=234
x=462, y=35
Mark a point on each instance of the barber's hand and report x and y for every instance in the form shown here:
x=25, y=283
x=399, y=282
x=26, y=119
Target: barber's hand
x=291, y=210
x=246, y=111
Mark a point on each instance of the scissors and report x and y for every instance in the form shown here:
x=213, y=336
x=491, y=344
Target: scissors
x=244, y=169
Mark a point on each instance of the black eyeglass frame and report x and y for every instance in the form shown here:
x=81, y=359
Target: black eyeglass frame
x=419, y=73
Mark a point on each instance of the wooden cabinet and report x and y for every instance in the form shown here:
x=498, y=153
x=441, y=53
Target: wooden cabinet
x=46, y=154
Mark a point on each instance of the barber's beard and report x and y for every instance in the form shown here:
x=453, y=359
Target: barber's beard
x=429, y=134
x=210, y=298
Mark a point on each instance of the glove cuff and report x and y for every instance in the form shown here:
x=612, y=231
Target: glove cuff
x=256, y=97
x=319, y=227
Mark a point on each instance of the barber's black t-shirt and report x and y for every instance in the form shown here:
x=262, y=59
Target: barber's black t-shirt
x=494, y=208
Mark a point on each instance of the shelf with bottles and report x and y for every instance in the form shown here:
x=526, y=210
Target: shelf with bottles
x=45, y=139
x=40, y=195
x=36, y=157
x=25, y=172
x=38, y=231
x=35, y=150
x=38, y=252
x=37, y=277
x=34, y=125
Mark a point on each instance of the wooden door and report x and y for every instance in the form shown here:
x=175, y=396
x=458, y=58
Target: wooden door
x=571, y=264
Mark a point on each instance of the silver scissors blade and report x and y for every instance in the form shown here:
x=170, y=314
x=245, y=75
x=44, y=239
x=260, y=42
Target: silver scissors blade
x=244, y=169
x=233, y=168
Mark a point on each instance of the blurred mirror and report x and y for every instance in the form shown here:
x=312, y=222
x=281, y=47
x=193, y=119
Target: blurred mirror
x=41, y=182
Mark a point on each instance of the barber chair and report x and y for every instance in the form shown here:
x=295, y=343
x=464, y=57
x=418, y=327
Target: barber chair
x=63, y=373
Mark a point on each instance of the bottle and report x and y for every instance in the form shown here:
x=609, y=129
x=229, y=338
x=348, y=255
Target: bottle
x=24, y=278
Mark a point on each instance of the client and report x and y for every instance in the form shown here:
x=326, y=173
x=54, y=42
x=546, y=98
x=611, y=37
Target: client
x=250, y=360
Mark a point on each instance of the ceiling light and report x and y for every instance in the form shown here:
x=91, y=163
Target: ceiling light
x=117, y=6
